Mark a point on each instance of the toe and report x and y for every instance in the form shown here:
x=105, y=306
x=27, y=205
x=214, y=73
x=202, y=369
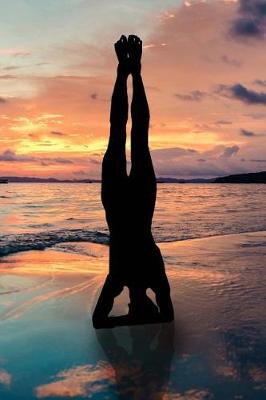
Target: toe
x=136, y=38
x=123, y=38
x=131, y=39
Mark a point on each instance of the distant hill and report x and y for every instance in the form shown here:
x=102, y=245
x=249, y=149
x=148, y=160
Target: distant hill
x=26, y=179
x=160, y=179
x=176, y=180
x=256, y=177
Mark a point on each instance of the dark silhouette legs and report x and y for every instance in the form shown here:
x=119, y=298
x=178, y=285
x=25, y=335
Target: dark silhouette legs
x=114, y=173
x=114, y=181
x=134, y=259
x=142, y=176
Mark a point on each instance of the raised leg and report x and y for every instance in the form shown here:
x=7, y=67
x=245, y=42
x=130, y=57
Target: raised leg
x=142, y=176
x=114, y=171
x=114, y=180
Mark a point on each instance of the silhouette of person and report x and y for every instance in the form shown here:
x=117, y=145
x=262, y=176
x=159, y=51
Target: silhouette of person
x=135, y=260
x=142, y=367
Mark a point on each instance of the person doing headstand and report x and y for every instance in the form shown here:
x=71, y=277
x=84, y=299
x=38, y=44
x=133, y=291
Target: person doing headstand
x=135, y=261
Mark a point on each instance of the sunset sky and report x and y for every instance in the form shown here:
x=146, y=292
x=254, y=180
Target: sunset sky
x=204, y=67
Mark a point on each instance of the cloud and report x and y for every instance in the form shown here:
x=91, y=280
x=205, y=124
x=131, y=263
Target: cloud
x=8, y=76
x=230, y=151
x=14, y=52
x=189, y=163
x=182, y=162
x=60, y=160
x=57, y=133
x=173, y=152
x=251, y=20
x=5, y=378
x=223, y=122
x=81, y=173
x=11, y=156
x=10, y=67
x=194, y=95
x=230, y=61
x=247, y=96
x=95, y=161
x=247, y=27
x=256, y=116
x=81, y=381
x=246, y=133
x=261, y=82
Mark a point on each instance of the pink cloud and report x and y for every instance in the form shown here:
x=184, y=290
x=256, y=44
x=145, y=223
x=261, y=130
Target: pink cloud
x=14, y=52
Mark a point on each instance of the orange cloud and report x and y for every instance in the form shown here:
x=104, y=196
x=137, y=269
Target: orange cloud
x=5, y=378
x=79, y=381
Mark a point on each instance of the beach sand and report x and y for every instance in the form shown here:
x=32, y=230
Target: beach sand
x=215, y=348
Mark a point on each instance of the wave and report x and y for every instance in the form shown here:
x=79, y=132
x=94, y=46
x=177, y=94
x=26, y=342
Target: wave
x=15, y=243
x=39, y=241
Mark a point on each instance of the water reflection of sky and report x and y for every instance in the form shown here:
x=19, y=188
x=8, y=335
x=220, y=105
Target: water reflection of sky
x=215, y=349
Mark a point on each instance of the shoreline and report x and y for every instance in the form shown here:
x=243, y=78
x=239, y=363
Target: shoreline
x=42, y=247
x=49, y=348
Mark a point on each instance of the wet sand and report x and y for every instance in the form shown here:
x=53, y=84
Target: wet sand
x=215, y=349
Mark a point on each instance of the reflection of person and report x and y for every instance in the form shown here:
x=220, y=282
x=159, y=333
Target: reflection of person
x=129, y=201
x=143, y=372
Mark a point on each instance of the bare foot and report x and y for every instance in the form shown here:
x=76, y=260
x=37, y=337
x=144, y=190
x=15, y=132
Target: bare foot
x=121, y=49
x=135, y=52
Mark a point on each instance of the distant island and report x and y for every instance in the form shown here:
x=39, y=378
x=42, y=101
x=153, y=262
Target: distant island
x=27, y=179
x=256, y=177
x=179, y=180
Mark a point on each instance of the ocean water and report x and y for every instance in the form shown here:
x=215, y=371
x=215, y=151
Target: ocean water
x=215, y=348
x=37, y=216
